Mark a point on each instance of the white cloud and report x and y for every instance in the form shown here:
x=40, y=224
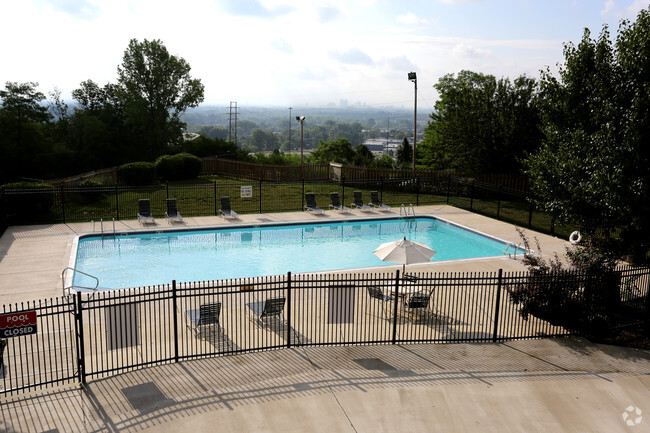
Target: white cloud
x=609, y=7
x=282, y=45
x=401, y=63
x=319, y=51
x=328, y=13
x=353, y=56
x=78, y=8
x=254, y=8
x=612, y=10
x=410, y=19
x=464, y=50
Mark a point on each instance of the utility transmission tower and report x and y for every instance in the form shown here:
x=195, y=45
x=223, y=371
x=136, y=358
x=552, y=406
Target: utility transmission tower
x=232, y=136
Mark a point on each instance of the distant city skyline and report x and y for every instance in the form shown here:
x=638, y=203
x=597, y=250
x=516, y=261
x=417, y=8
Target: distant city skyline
x=283, y=53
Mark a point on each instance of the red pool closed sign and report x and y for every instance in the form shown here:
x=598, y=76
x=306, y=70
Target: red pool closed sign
x=17, y=324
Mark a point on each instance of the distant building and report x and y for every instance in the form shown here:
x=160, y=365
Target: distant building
x=381, y=146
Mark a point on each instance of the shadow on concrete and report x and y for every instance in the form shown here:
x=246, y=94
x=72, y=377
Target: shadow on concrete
x=151, y=397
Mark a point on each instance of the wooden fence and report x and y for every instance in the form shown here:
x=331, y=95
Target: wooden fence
x=265, y=172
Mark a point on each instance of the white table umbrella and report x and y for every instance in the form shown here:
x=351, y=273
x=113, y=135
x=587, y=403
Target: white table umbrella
x=404, y=252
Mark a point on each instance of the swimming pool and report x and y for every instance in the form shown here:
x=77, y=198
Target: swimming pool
x=139, y=259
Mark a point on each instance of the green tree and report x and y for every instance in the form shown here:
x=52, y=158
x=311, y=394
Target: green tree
x=339, y=150
x=260, y=140
x=155, y=89
x=481, y=124
x=22, y=122
x=363, y=157
x=21, y=107
x=593, y=169
x=405, y=153
x=90, y=96
x=384, y=161
x=97, y=132
x=214, y=131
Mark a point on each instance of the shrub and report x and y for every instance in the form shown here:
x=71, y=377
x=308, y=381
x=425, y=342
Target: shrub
x=92, y=190
x=582, y=297
x=90, y=183
x=179, y=166
x=169, y=167
x=36, y=198
x=137, y=173
x=192, y=165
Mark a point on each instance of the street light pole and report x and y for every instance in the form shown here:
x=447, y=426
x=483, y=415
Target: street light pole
x=413, y=77
x=301, y=119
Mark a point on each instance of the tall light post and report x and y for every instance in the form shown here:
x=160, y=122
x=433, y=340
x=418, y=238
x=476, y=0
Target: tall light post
x=301, y=120
x=413, y=77
x=290, y=108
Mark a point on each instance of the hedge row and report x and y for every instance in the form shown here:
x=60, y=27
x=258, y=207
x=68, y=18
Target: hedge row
x=167, y=167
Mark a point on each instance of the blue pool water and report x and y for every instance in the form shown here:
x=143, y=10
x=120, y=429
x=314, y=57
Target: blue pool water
x=199, y=255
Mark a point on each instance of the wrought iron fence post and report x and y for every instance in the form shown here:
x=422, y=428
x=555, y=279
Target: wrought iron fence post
x=647, y=303
x=260, y=195
x=215, y=198
x=81, y=353
x=496, y=307
x=471, y=195
x=288, y=310
x=530, y=211
x=417, y=191
x=381, y=188
x=448, y=187
x=499, y=200
x=167, y=188
x=396, y=299
x=63, y=202
x=117, y=203
x=302, y=198
x=175, y=316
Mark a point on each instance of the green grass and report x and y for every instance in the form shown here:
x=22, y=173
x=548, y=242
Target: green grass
x=200, y=197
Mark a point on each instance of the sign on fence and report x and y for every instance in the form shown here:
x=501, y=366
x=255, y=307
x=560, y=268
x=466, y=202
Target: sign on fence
x=17, y=324
x=247, y=191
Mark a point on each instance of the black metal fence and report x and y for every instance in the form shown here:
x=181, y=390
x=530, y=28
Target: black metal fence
x=75, y=204
x=89, y=335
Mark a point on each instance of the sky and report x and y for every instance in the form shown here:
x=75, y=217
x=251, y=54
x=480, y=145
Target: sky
x=300, y=53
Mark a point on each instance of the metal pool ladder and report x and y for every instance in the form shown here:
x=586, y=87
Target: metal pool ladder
x=406, y=211
x=101, y=226
x=72, y=286
x=515, y=247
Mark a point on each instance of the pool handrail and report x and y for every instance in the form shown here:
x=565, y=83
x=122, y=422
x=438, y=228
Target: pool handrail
x=75, y=286
x=405, y=212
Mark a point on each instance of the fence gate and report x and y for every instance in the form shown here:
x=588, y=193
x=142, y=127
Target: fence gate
x=38, y=344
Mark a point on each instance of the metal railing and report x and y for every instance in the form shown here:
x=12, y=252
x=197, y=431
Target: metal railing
x=74, y=204
x=88, y=335
x=66, y=289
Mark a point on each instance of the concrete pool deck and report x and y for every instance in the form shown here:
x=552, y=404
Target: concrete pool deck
x=33, y=257
x=544, y=385
x=548, y=385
